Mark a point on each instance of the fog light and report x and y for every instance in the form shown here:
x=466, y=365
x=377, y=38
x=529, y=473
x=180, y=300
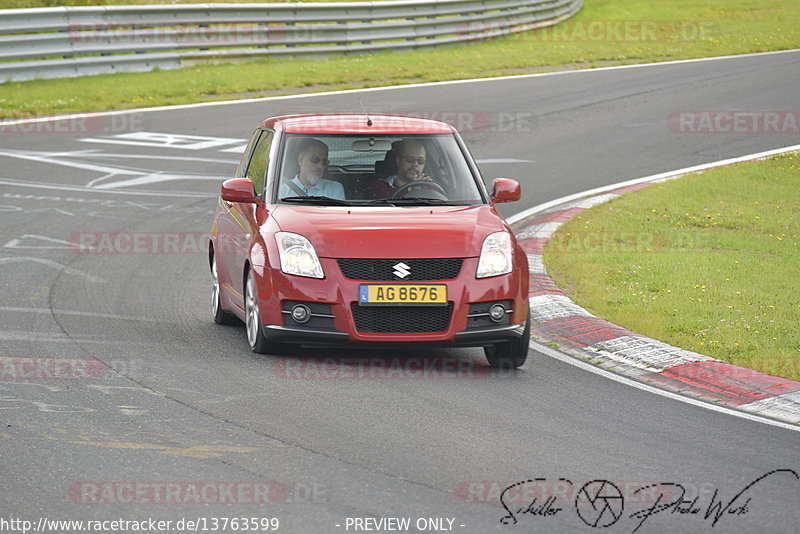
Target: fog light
x=301, y=313
x=497, y=312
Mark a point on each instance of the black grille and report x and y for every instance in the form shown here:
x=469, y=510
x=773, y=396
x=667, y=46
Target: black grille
x=419, y=269
x=401, y=319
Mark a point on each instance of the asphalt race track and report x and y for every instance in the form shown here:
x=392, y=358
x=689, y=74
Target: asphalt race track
x=172, y=416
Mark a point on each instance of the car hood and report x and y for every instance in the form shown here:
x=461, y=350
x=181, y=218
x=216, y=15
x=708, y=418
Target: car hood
x=391, y=232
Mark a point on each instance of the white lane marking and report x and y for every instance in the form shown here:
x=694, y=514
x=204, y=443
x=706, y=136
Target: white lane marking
x=108, y=390
x=53, y=265
x=93, y=183
x=60, y=408
x=538, y=347
x=52, y=389
x=587, y=203
x=488, y=161
x=662, y=176
x=11, y=122
x=547, y=307
x=41, y=157
x=94, y=154
x=140, y=177
x=156, y=178
x=96, y=315
x=53, y=243
x=165, y=140
x=9, y=208
x=238, y=149
x=83, y=189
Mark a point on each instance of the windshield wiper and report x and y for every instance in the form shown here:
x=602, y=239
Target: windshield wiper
x=315, y=199
x=422, y=201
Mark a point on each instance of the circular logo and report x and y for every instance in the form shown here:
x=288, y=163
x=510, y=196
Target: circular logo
x=599, y=503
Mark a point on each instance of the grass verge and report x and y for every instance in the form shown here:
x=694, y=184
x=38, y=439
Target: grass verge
x=709, y=263
x=663, y=30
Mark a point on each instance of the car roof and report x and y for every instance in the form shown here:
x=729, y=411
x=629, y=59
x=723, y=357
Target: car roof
x=337, y=123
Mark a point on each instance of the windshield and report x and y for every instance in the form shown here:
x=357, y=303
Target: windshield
x=380, y=169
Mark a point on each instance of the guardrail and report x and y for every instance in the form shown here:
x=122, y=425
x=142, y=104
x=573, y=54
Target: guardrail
x=79, y=41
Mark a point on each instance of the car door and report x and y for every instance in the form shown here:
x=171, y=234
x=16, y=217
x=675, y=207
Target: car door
x=237, y=227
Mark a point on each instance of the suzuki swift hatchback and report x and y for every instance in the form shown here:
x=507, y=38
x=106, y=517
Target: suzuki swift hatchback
x=367, y=229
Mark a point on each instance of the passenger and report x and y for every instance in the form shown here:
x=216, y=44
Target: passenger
x=313, y=160
x=410, y=168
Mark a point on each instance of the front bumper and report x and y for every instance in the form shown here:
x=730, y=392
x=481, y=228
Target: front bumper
x=467, y=296
x=466, y=338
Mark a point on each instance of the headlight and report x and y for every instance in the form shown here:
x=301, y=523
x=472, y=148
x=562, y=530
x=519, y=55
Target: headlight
x=495, y=255
x=298, y=256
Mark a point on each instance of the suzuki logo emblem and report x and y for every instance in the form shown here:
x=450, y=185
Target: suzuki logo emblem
x=401, y=270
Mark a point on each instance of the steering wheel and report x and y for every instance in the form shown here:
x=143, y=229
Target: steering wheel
x=416, y=183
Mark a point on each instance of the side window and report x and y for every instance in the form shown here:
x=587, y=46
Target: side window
x=259, y=161
x=246, y=154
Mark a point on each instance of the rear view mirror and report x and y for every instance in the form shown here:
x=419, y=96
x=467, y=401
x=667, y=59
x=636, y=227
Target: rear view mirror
x=238, y=190
x=371, y=145
x=505, y=190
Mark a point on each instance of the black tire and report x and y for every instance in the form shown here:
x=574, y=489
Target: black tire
x=510, y=354
x=220, y=315
x=255, y=330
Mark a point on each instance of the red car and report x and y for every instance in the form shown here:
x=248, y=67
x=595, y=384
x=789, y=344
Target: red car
x=367, y=229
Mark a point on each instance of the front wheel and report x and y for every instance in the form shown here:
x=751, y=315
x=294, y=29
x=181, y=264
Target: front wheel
x=255, y=332
x=510, y=354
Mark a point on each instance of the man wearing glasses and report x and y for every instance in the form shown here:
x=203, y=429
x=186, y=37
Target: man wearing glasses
x=313, y=160
x=410, y=168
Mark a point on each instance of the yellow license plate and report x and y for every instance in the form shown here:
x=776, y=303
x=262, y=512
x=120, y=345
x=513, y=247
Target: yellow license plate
x=395, y=294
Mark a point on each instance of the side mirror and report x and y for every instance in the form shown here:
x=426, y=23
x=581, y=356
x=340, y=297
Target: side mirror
x=505, y=190
x=239, y=190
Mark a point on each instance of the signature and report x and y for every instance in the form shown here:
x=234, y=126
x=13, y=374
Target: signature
x=534, y=507
x=716, y=509
x=601, y=503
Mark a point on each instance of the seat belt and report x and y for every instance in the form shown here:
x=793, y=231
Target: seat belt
x=294, y=187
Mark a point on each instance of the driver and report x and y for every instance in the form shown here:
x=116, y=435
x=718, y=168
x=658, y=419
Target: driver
x=410, y=168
